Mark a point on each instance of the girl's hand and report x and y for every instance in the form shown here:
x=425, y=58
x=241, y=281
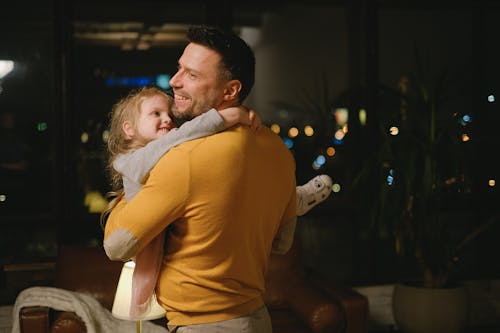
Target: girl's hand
x=255, y=120
x=240, y=115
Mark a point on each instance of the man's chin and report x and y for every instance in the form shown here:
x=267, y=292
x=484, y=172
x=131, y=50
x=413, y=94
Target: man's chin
x=181, y=117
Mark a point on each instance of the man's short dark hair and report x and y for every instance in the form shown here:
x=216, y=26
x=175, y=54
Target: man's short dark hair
x=238, y=59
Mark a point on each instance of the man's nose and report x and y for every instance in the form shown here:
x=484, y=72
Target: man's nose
x=175, y=81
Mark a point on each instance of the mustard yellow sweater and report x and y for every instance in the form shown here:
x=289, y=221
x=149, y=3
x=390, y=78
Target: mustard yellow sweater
x=224, y=197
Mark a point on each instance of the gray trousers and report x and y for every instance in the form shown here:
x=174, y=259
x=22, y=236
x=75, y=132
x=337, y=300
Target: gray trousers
x=255, y=322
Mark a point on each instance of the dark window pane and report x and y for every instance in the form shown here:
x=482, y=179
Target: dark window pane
x=26, y=120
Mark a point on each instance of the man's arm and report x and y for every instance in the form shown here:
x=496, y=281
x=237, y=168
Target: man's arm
x=131, y=226
x=136, y=165
x=284, y=238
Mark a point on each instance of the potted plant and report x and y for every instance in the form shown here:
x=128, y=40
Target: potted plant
x=419, y=172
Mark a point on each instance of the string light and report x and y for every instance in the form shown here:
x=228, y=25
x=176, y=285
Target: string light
x=308, y=130
x=275, y=128
x=330, y=151
x=293, y=132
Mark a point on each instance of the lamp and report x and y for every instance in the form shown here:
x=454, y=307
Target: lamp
x=123, y=297
x=6, y=66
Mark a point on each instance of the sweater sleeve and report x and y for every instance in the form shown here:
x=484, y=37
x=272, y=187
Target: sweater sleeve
x=132, y=225
x=135, y=166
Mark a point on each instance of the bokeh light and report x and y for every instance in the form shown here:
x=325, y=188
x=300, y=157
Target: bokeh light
x=288, y=143
x=341, y=116
x=308, y=130
x=84, y=138
x=293, y=132
x=105, y=135
x=362, y=117
x=41, y=126
x=276, y=128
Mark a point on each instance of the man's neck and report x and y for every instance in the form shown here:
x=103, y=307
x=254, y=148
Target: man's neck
x=227, y=104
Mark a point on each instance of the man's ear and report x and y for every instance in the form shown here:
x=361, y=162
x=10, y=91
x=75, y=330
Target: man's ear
x=231, y=90
x=128, y=129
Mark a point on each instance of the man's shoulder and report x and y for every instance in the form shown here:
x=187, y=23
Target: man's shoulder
x=233, y=138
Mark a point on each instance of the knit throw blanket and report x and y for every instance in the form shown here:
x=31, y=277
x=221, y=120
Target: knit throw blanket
x=97, y=319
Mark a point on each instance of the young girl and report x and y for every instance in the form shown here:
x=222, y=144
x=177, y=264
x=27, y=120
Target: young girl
x=141, y=131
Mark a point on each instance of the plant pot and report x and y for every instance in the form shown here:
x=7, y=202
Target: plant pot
x=430, y=310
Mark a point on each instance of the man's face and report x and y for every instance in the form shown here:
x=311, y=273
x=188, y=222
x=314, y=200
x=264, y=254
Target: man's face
x=197, y=84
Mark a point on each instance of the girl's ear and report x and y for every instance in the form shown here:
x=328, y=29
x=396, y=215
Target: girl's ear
x=128, y=129
x=232, y=90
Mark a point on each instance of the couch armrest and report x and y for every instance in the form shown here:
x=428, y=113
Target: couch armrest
x=34, y=319
x=320, y=312
x=42, y=319
x=67, y=322
x=354, y=305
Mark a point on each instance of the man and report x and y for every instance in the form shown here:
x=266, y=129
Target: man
x=225, y=197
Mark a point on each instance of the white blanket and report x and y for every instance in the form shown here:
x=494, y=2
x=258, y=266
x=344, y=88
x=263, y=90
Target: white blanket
x=97, y=319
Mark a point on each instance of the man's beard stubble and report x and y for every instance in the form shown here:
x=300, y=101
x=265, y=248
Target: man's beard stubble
x=181, y=118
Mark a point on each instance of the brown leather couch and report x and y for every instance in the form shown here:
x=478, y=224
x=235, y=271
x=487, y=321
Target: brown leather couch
x=295, y=302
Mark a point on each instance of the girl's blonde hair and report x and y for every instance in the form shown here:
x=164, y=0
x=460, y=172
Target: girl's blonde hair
x=127, y=109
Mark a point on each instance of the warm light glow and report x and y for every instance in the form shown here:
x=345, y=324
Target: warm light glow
x=345, y=128
x=95, y=202
x=3, y=197
x=143, y=45
x=330, y=151
x=394, y=130
x=341, y=116
x=362, y=117
x=293, y=132
x=275, y=128
x=465, y=137
x=491, y=182
x=336, y=188
x=84, y=137
x=308, y=130
x=121, y=304
x=6, y=66
x=105, y=136
x=450, y=181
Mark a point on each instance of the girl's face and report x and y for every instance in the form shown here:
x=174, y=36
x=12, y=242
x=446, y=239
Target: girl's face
x=154, y=120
